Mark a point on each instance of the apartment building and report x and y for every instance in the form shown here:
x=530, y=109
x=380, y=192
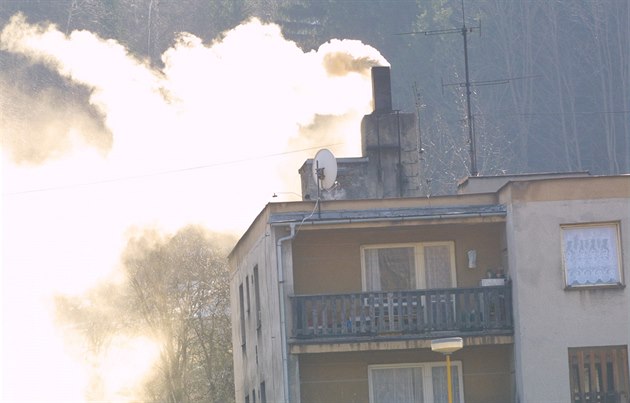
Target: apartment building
x=337, y=298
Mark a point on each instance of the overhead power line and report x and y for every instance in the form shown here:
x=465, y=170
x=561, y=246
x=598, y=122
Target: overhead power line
x=166, y=172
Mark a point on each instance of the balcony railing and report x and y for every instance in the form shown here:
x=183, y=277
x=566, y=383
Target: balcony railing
x=417, y=313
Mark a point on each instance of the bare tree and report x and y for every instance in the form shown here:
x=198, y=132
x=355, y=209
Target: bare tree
x=175, y=290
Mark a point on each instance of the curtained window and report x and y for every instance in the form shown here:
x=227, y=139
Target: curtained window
x=408, y=266
x=438, y=266
x=440, y=389
x=414, y=383
x=390, y=269
x=591, y=255
x=397, y=385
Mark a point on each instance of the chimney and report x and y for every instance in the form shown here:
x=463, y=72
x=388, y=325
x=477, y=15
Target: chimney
x=381, y=89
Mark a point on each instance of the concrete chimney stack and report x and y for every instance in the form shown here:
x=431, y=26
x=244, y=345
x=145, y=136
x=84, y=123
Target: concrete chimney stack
x=382, y=89
x=390, y=162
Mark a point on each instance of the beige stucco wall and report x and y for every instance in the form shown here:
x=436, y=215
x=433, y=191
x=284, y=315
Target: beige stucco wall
x=329, y=261
x=548, y=318
x=343, y=377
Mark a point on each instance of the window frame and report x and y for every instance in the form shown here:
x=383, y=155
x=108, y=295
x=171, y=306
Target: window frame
x=588, y=360
x=258, y=307
x=420, y=271
x=249, y=302
x=241, y=299
x=616, y=227
x=427, y=377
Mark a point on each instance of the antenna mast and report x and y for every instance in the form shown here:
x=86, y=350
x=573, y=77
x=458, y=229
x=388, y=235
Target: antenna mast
x=471, y=133
x=464, y=30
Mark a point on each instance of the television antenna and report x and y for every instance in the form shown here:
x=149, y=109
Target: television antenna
x=464, y=31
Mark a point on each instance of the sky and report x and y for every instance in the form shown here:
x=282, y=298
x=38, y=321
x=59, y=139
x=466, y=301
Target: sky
x=207, y=138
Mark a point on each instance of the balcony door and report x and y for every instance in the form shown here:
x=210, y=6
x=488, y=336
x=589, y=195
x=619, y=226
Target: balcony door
x=397, y=267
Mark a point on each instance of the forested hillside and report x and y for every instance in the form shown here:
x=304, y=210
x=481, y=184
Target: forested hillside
x=550, y=79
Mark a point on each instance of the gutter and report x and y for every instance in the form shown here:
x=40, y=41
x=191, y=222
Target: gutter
x=393, y=219
x=281, y=297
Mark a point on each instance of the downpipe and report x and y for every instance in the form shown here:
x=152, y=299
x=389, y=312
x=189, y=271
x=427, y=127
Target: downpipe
x=281, y=296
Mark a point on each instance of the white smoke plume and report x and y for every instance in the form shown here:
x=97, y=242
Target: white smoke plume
x=207, y=139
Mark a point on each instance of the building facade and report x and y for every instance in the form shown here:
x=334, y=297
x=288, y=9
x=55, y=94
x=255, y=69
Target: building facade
x=337, y=298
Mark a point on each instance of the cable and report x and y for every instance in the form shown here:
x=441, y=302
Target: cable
x=149, y=175
x=307, y=217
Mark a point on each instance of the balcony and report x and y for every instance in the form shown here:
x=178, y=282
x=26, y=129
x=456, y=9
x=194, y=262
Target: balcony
x=416, y=314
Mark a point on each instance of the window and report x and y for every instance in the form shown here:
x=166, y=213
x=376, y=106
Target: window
x=257, y=298
x=241, y=299
x=591, y=255
x=408, y=266
x=247, y=294
x=599, y=374
x=263, y=393
x=414, y=383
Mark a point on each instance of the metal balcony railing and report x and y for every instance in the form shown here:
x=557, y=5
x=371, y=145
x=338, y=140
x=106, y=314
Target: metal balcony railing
x=416, y=313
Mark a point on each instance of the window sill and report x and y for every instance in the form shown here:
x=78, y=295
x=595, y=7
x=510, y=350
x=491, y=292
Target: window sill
x=594, y=287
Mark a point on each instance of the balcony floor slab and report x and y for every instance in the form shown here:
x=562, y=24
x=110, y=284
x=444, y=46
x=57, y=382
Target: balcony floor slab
x=332, y=346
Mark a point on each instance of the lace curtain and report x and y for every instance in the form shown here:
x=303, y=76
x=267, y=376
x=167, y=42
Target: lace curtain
x=440, y=389
x=397, y=385
x=437, y=263
x=405, y=384
x=590, y=255
x=390, y=269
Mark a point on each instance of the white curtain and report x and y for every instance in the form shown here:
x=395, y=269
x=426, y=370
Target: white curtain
x=372, y=270
x=390, y=269
x=590, y=255
x=440, y=389
x=437, y=263
x=397, y=385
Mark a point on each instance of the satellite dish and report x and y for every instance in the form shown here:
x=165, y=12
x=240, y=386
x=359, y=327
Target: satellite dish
x=324, y=169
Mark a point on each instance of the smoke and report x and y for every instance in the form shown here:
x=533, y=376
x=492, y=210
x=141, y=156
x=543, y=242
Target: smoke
x=341, y=58
x=204, y=92
x=206, y=139
x=32, y=133
x=114, y=360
